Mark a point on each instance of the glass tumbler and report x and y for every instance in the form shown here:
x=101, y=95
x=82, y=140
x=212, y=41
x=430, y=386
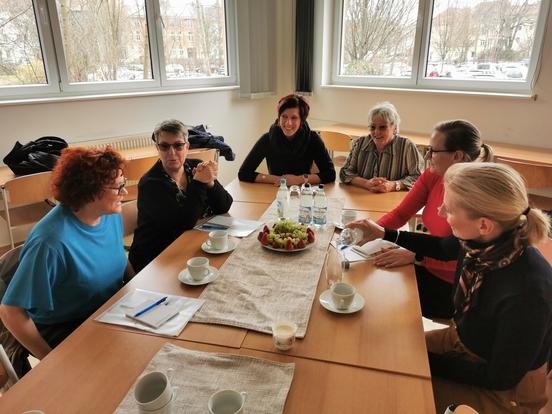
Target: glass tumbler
x=332, y=267
x=294, y=198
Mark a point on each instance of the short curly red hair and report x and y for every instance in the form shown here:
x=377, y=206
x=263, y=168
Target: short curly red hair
x=81, y=175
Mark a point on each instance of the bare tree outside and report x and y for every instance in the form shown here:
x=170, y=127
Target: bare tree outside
x=485, y=40
x=21, y=60
x=378, y=37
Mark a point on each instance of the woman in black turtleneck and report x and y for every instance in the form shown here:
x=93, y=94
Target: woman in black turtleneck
x=290, y=148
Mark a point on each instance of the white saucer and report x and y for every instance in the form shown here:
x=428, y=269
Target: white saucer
x=326, y=301
x=232, y=243
x=185, y=277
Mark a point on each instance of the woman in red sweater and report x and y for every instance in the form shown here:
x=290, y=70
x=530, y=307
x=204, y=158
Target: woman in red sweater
x=451, y=142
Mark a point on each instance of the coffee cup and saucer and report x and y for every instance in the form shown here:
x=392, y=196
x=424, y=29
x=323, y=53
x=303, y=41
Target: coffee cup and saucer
x=198, y=272
x=154, y=393
x=342, y=298
x=219, y=242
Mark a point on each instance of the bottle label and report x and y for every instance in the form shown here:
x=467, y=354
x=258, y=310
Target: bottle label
x=319, y=215
x=305, y=214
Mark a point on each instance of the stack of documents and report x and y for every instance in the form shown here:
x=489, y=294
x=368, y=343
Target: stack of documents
x=367, y=251
x=152, y=311
x=236, y=227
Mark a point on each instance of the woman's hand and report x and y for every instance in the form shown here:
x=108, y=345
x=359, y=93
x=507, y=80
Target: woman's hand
x=293, y=179
x=394, y=257
x=370, y=229
x=206, y=173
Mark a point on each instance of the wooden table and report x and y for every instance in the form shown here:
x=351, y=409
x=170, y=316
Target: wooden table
x=373, y=360
x=515, y=152
x=354, y=198
x=92, y=371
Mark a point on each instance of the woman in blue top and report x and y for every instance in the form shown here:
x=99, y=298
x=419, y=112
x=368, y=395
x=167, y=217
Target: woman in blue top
x=73, y=259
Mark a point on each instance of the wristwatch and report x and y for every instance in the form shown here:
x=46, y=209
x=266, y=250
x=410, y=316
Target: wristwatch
x=397, y=186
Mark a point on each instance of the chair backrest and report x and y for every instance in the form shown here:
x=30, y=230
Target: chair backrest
x=8, y=265
x=336, y=141
x=204, y=154
x=28, y=189
x=130, y=216
x=536, y=175
x=134, y=170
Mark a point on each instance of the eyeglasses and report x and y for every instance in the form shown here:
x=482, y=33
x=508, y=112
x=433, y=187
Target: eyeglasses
x=121, y=186
x=431, y=151
x=178, y=146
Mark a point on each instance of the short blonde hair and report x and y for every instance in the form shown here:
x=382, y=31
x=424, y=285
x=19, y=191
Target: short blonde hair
x=498, y=192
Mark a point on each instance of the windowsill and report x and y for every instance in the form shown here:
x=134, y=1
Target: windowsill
x=435, y=91
x=111, y=95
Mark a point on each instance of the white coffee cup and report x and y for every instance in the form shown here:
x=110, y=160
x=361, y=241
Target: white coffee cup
x=347, y=216
x=227, y=402
x=283, y=334
x=218, y=240
x=342, y=295
x=198, y=267
x=153, y=393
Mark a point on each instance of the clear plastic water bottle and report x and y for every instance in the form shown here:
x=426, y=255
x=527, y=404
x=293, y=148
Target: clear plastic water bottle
x=282, y=199
x=305, y=204
x=320, y=209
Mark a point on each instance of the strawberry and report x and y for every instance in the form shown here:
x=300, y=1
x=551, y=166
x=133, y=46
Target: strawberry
x=301, y=244
x=289, y=244
x=260, y=236
x=310, y=231
x=266, y=229
x=264, y=239
x=310, y=237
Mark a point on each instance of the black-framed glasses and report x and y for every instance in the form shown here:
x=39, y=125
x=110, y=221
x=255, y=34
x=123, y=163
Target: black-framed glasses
x=120, y=187
x=430, y=151
x=178, y=146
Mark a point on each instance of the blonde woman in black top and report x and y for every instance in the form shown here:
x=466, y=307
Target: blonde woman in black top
x=494, y=355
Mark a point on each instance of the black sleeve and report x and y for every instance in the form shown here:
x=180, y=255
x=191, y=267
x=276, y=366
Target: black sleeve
x=441, y=248
x=322, y=160
x=219, y=199
x=157, y=200
x=254, y=158
x=519, y=336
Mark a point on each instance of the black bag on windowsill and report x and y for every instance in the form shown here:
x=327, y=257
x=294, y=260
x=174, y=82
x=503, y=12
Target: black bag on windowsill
x=35, y=156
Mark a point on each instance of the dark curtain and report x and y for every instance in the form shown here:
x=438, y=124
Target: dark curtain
x=304, y=39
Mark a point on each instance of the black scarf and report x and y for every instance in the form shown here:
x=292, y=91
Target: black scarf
x=284, y=148
x=481, y=258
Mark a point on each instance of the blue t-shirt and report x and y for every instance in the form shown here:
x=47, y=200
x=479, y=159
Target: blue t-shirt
x=68, y=269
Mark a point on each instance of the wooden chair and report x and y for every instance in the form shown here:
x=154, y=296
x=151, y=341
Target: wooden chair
x=134, y=170
x=130, y=221
x=204, y=154
x=26, y=200
x=538, y=177
x=336, y=141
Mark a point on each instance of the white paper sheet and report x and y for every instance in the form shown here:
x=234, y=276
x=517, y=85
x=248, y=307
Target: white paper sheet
x=365, y=252
x=236, y=227
x=116, y=314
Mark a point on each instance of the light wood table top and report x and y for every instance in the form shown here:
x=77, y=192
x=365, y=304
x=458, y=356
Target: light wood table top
x=355, y=198
x=516, y=152
x=92, y=371
x=387, y=334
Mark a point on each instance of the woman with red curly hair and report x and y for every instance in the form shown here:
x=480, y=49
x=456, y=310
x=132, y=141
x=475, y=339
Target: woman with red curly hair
x=73, y=259
x=290, y=148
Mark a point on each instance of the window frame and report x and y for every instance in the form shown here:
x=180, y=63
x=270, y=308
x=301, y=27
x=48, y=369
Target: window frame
x=58, y=85
x=420, y=58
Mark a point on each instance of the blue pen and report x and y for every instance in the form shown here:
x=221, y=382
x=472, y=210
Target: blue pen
x=150, y=307
x=214, y=227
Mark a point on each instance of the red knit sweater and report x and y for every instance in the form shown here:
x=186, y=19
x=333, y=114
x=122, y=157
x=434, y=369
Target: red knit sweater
x=427, y=193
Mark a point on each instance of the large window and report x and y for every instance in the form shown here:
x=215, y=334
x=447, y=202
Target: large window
x=479, y=45
x=68, y=47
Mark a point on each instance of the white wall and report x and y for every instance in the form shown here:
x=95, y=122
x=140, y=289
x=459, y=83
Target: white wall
x=510, y=120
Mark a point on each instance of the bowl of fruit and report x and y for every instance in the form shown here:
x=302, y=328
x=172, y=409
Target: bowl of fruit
x=286, y=236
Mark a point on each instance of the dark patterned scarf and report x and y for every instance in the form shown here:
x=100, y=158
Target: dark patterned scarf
x=480, y=259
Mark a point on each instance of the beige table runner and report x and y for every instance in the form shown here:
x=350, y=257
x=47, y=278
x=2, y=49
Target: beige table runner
x=200, y=374
x=256, y=286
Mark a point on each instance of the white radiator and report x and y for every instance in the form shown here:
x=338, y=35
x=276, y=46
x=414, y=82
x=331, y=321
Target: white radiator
x=119, y=143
